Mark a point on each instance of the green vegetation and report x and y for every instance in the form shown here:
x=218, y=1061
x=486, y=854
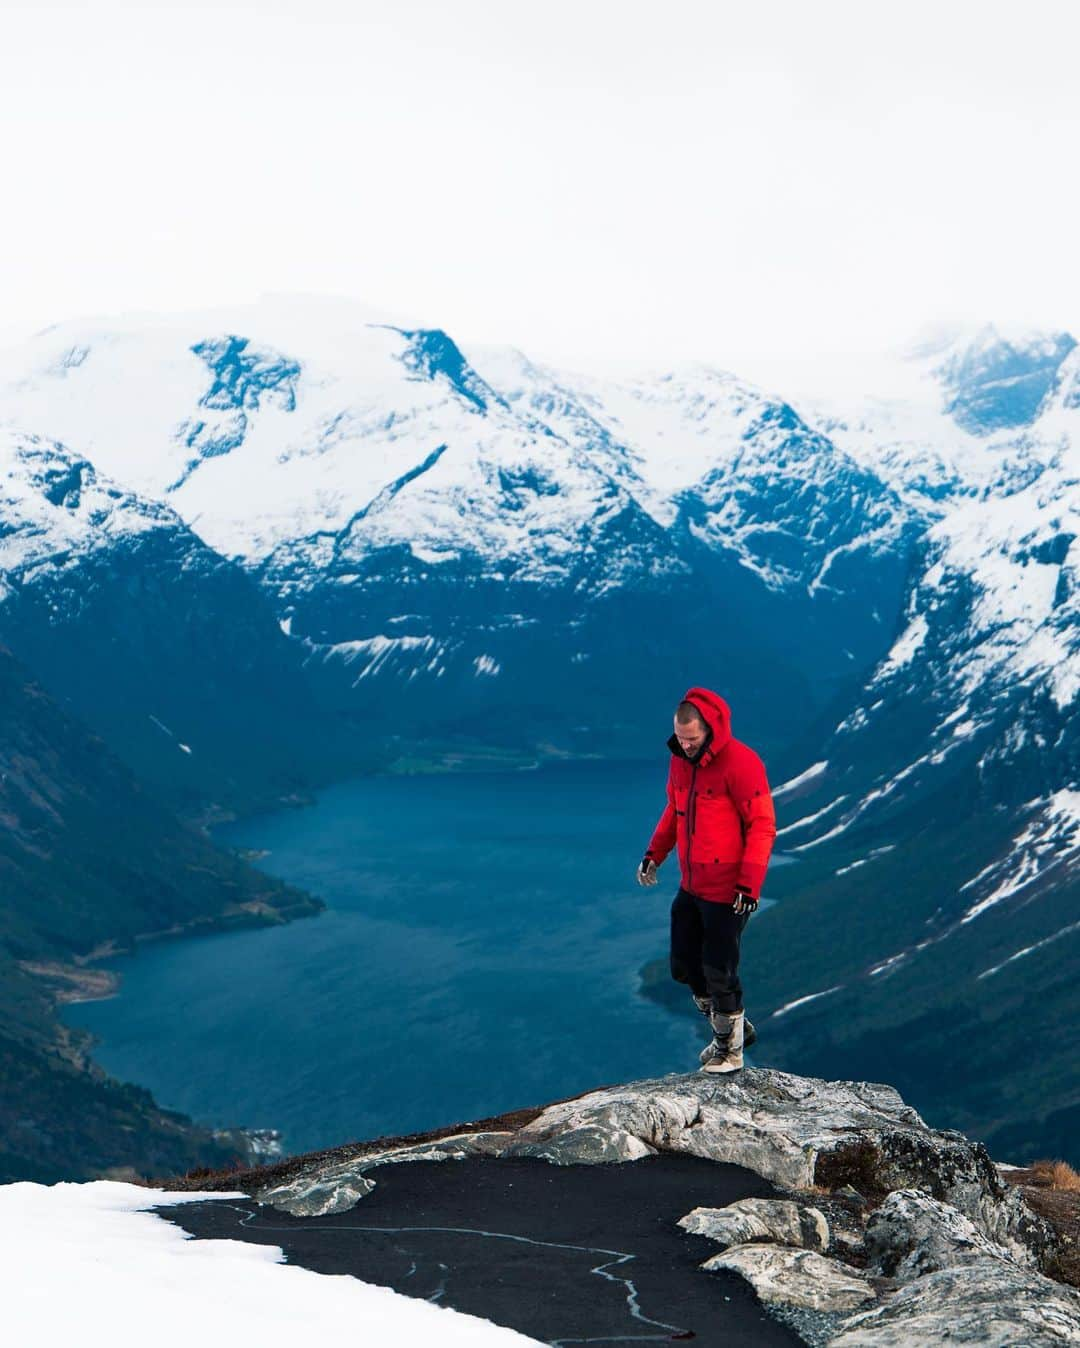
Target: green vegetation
x=89, y=858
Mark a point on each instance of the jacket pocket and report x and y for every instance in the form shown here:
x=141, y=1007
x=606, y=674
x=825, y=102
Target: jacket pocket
x=717, y=835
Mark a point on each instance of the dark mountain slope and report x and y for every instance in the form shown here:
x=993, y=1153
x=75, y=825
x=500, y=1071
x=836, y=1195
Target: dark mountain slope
x=88, y=857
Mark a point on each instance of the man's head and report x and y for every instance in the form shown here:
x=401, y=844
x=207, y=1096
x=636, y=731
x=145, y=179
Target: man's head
x=690, y=729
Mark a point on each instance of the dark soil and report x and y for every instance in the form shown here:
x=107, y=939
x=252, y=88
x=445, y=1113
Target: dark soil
x=560, y=1253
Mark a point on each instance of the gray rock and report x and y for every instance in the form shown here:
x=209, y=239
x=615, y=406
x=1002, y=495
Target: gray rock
x=795, y=1131
x=1008, y=1221
x=846, y=1243
x=760, y=1219
x=992, y=1302
x=912, y=1234
x=815, y=1328
x=774, y=1123
x=340, y=1186
x=800, y=1278
x=586, y=1144
x=338, y=1192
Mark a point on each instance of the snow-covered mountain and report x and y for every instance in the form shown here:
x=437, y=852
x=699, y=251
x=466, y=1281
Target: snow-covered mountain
x=987, y=661
x=948, y=790
x=943, y=417
x=167, y=649
x=449, y=534
x=875, y=564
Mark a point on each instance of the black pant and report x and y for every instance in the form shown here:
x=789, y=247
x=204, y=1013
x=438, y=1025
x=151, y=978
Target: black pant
x=705, y=941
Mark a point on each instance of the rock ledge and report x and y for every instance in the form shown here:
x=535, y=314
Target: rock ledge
x=934, y=1245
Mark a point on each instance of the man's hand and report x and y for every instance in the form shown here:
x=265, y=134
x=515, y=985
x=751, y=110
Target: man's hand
x=744, y=902
x=646, y=872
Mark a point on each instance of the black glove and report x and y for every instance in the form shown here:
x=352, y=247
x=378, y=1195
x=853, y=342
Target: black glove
x=744, y=903
x=646, y=872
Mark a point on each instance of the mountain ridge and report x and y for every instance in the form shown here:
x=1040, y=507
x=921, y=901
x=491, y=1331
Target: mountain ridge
x=419, y=529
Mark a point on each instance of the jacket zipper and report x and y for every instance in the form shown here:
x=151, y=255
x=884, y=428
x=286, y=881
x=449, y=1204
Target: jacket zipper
x=691, y=809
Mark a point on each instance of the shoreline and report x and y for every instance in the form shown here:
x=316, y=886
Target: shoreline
x=69, y=984
x=76, y=982
x=435, y=762
x=73, y=983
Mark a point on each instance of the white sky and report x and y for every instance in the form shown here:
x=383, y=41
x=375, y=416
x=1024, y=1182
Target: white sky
x=585, y=179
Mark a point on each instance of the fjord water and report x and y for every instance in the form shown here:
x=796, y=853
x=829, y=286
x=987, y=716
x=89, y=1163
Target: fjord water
x=480, y=952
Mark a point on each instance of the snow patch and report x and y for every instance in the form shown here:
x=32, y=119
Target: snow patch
x=87, y=1263
x=815, y=770
x=905, y=649
x=1044, y=845
x=374, y=652
x=802, y=1001
x=888, y=964
x=809, y=819
x=863, y=861
x=832, y=833
x=1028, y=949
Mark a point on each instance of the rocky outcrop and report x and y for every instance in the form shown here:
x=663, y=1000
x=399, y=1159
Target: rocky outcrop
x=779, y=1125
x=989, y=1301
x=932, y=1277
x=796, y=1131
x=800, y=1278
x=912, y=1234
x=747, y=1220
x=340, y=1186
x=890, y=1232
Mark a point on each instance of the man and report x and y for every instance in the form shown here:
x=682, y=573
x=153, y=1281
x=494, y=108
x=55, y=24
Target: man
x=720, y=816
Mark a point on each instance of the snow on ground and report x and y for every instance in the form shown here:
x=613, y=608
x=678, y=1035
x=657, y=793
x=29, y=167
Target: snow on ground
x=825, y=837
x=802, y=1001
x=810, y=818
x=1048, y=841
x=862, y=861
x=889, y=965
x=903, y=651
x=85, y=1264
x=375, y=651
x=811, y=772
x=1029, y=949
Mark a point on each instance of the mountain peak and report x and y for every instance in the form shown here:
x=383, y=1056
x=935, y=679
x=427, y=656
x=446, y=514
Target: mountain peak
x=994, y=377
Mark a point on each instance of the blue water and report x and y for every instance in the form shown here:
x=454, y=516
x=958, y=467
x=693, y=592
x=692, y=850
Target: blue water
x=480, y=952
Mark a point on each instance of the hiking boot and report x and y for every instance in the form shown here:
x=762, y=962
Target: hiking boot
x=704, y=1005
x=727, y=1047
x=714, y=1047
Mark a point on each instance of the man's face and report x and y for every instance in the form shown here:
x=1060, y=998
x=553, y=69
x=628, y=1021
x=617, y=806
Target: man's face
x=691, y=736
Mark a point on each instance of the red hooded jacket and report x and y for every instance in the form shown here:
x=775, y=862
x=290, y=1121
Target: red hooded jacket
x=719, y=813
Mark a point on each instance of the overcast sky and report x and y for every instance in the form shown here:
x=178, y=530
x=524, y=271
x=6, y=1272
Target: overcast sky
x=582, y=178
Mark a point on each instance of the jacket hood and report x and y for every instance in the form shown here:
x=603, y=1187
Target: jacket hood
x=716, y=714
